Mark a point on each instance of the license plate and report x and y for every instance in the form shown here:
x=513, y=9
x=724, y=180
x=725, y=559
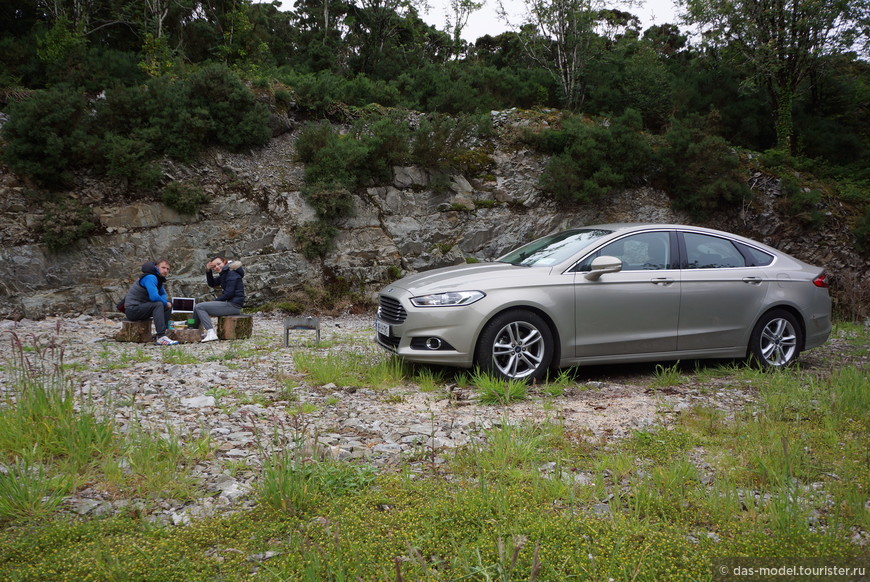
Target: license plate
x=382, y=328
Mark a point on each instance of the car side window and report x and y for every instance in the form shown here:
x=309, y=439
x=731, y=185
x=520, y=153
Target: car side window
x=710, y=252
x=648, y=251
x=754, y=257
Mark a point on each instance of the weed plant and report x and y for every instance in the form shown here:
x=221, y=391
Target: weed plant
x=54, y=441
x=492, y=390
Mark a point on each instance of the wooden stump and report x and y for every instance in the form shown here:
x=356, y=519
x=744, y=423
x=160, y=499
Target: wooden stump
x=232, y=327
x=185, y=336
x=135, y=331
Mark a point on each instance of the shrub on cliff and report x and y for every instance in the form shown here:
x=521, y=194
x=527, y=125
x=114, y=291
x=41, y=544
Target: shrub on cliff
x=185, y=198
x=701, y=170
x=47, y=136
x=64, y=222
x=593, y=159
x=57, y=131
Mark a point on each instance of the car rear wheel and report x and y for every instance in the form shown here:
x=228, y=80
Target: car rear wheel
x=516, y=345
x=776, y=340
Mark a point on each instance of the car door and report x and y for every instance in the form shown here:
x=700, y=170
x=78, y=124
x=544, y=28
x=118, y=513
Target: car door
x=721, y=295
x=636, y=310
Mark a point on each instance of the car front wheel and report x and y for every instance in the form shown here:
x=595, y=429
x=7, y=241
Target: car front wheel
x=516, y=345
x=776, y=340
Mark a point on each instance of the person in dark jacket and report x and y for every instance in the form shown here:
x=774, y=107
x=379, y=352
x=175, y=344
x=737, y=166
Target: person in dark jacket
x=228, y=276
x=147, y=298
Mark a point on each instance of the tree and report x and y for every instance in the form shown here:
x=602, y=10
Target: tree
x=781, y=41
x=558, y=35
x=460, y=11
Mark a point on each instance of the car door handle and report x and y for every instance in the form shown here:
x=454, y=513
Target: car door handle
x=753, y=280
x=663, y=281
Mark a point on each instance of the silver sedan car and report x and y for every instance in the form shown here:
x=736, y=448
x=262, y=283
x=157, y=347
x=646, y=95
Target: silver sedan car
x=610, y=293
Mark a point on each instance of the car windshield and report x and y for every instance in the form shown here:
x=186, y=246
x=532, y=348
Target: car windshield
x=553, y=249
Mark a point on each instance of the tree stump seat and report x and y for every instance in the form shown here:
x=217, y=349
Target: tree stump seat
x=185, y=336
x=232, y=327
x=135, y=331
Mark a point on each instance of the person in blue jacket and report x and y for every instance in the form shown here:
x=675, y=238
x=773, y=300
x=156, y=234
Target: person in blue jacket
x=228, y=276
x=147, y=298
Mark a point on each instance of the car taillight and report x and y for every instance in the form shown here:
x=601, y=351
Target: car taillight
x=821, y=280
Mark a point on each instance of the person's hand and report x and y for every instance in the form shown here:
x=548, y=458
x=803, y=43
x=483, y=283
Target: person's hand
x=169, y=305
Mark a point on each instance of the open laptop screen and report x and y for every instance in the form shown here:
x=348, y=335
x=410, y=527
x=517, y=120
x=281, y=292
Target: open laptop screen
x=183, y=304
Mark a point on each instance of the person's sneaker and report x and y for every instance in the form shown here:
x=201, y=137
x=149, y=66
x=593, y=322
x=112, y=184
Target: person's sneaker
x=165, y=341
x=210, y=336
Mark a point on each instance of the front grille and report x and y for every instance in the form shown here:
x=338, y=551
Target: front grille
x=392, y=311
x=389, y=342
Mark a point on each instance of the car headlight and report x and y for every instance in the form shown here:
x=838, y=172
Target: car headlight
x=449, y=299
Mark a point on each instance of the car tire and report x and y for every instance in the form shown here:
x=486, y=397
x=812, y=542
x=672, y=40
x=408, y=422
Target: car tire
x=516, y=345
x=776, y=340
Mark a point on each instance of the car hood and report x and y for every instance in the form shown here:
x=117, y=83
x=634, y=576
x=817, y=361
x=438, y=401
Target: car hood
x=476, y=276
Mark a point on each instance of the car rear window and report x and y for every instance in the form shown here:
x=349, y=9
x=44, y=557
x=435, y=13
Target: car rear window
x=754, y=257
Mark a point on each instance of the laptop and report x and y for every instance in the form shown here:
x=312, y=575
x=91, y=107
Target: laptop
x=183, y=304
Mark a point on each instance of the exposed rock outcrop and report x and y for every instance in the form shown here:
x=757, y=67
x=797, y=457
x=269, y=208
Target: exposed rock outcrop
x=256, y=207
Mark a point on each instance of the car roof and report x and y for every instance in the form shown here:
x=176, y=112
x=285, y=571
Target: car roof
x=624, y=227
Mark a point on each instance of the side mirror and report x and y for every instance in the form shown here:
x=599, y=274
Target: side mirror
x=602, y=265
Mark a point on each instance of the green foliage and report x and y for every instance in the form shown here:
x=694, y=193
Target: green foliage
x=439, y=141
x=701, y=171
x=468, y=88
x=235, y=119
x=53, y=132
x=331, y=202
x=129, y=160
x=183, y=197
x=65, y=222
x=26, y=492
x=61, y=44
x=803, y=202
x=312, y=138
x=591, y=160
x=156, y=56
x=47, y=135
x=316, y=238
x=494, y=390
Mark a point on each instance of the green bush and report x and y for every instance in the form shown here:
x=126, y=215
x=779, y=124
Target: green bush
x=802, y=202
x=331, y=202
x=592, y=159
x=129, y=160
x=47, y=136
x=236, y=119
x=316, y=94
x=65, y=222
x=701, y=171
x=312, y=138
x=439, y=140
x=339, y=163
x=185, y=198
x=315, y=239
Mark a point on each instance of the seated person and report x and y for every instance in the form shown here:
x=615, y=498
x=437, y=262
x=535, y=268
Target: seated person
x=230, y=302
x=147, y=298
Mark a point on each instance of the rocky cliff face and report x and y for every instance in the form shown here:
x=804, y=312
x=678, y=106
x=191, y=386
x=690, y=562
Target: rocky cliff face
x=256, y=205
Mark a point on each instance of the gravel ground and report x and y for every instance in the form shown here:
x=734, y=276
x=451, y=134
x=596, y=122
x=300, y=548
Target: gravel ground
x=248, y=396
